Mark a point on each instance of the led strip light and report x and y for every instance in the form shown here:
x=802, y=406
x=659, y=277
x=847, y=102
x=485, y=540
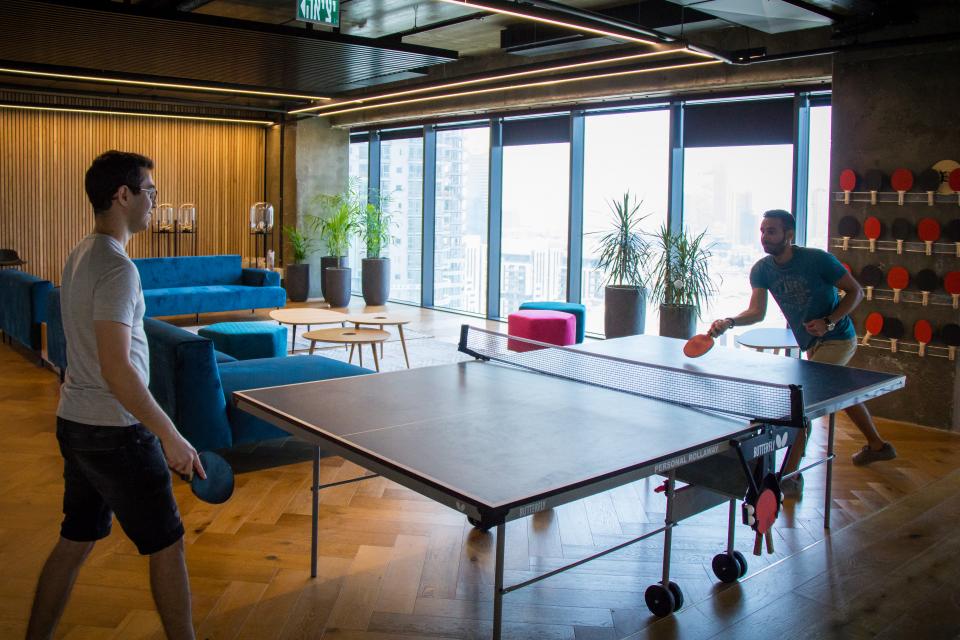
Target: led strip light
x=136, y=114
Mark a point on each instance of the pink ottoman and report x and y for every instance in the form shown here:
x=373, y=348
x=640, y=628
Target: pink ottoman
x=553, y=327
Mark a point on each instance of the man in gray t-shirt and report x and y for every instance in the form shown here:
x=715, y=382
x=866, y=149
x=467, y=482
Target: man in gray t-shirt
x=116, y=441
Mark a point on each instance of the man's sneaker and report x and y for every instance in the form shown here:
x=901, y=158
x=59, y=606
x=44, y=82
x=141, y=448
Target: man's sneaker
x=792, y=487
x=866, y=455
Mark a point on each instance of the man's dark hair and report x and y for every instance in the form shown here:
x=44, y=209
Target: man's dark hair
x=110, y=171
x=785, y=217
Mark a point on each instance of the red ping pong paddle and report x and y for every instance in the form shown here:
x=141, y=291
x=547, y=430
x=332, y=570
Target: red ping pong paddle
x=927, y=280
x=952, y=233
x=928, y=229
x=929, y=181
x=923, y=334
x=902, y=181
x=873, y=229
x=873, y=326
x=951, y=282
x=893, y=330
x=848, y=183
x=698, y=345
x=849, y=227
x=898, y=278
x=870, y=276
x=900, y=231
x=950, y=334
x=872, y=182
x=954, y=181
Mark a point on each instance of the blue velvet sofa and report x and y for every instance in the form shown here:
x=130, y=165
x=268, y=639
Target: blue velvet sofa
x=23, y=307
x=204, y=284
x=194, y=384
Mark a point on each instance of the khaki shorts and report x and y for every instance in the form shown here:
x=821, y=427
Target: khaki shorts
x=833, y=351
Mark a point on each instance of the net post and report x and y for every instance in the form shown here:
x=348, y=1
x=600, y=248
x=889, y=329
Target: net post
x=462, y=346
x=796, y=406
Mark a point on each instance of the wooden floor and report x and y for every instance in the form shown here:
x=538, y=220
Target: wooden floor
x=395, y=565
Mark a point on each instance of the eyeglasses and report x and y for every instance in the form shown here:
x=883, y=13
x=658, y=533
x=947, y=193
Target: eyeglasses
x=151, y=192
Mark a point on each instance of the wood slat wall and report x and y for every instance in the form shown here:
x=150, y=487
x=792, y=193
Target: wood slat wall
x=44, y=210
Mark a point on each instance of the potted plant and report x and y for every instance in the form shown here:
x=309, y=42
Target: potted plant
x=297, y=275
x=681, y=280
x=623, y=255
x=374, y=226
x=335, y=230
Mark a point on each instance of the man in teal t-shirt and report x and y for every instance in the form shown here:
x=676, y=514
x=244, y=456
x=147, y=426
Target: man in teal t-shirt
x=804, y=282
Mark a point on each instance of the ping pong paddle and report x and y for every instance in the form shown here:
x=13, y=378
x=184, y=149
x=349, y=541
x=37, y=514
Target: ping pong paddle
x=929, y=181
x=873, y=182
x=873, y=229
x=952, y=233
x=900, y=229
x=950, y=334
x=928, y=229
x=218, y=485
x=870, y=276
x=893, y=330
x=923, y=334
x=849, y=227
x=954, y=181
x=927, y=280
x=848, y=183
x=902, y=181
x=698, y=345
x=873, y=325
x=951, y=282
x=898, y=278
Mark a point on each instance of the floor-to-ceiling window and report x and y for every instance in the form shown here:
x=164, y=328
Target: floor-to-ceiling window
x=359, y=177
x=460, y=254
x=536, y=184
x=623, y=152
x=401, y=187
x=818, y=191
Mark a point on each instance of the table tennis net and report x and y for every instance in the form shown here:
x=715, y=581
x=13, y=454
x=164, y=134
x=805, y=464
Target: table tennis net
x=765, y=402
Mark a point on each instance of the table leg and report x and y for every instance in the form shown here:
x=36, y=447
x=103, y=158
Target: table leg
x=498, y=582
x=350, y=359
x=403, y=343
x=668, y=534
x=381, y=344
x=313, y=344
x=293, y=338
x=360, y=354
x=316, y=511
x=373, y=348
x=828, y=491
x=731, y=528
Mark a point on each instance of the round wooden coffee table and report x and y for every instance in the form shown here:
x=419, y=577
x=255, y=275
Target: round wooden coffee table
x=306, y=316
x=356, y=338
x=381, y=320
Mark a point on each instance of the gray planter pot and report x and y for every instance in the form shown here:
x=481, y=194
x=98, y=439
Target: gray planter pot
x=338, y=286
x=297, y=281
x=625, y=311
x=325, y=263
x=678, y=321
x=376, y=281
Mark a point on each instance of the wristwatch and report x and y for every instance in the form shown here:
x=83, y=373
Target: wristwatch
x=731, y=322
x=831, y=325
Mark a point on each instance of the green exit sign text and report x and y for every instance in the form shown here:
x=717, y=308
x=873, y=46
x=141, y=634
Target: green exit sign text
x=319, y=11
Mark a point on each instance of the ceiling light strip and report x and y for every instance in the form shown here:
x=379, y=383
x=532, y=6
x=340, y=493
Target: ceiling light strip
x=528, y=85
x=158, y=85
x=497, y=78
x=557, y=23
x=136, y=114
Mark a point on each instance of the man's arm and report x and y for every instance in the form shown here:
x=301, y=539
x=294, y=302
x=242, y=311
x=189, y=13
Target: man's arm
x=751, y=315
x=113, y=352
x=853, y=296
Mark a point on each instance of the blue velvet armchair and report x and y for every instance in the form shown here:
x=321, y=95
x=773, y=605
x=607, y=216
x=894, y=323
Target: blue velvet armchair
x=23, y=300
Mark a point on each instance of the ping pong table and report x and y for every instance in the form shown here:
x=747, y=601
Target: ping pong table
x=528, y=426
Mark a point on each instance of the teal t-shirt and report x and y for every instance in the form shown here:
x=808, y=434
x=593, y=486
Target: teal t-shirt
x=805, y=289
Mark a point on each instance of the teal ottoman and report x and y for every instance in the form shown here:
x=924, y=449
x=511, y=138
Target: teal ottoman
x=247, y=340
x=577, y=310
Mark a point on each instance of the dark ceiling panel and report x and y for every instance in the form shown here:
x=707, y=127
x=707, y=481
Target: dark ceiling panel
x=191, y=49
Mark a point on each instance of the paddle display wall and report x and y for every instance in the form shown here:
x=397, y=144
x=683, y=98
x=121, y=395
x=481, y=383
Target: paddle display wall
x=895, y=109
x=44, y=210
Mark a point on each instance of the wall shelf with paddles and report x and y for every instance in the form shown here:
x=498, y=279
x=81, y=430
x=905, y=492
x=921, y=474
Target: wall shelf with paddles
x=887, y=333
x=940, y=184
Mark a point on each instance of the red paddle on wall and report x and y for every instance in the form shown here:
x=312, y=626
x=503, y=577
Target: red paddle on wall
x=848, y=183
x=873, y=229
x=898, y=278
x=902, y=181
x=928, y=229
x=951, y=282
x=954, y=181
x=923, y=334
x=873, y=326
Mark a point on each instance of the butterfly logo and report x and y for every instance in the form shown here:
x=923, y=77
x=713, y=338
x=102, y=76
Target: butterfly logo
x=781, y=440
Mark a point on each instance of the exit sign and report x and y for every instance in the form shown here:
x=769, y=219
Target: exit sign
x=319, y=11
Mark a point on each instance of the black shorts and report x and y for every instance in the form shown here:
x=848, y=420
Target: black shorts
x=120, y=470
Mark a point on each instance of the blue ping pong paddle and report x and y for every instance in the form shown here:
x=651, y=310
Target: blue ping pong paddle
x=218, y=485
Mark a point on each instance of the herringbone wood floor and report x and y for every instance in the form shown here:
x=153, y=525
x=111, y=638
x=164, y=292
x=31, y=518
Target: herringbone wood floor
x=395, y=565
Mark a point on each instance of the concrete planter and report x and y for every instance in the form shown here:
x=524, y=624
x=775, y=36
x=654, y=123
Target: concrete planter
x=338, y=286
x=297, y=281
x=325, y=263
x=625, y=311
x=678, y=321
x=376, y=281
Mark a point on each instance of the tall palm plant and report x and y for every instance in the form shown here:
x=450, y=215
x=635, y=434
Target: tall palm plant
x=624, y=250
x=681, y=274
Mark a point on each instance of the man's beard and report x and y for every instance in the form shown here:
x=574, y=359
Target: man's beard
x=776, y=249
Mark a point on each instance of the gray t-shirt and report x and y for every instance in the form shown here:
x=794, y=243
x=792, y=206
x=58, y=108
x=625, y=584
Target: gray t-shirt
x=100, y=282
